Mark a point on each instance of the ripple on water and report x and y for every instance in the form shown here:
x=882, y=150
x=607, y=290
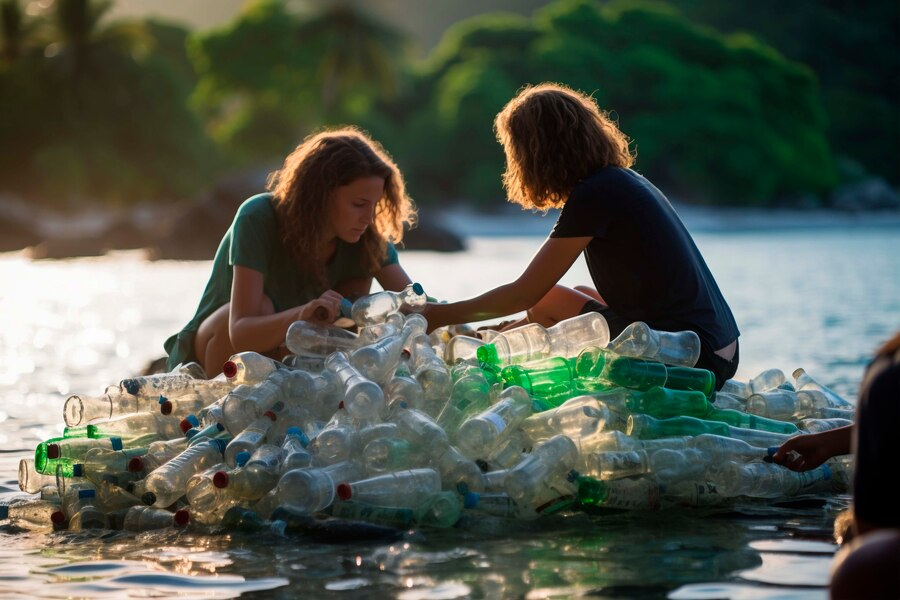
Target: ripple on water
x=717, y=591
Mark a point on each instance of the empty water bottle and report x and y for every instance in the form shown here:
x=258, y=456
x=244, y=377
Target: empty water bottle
x=146, y=518
x=767, y=380
x=440, y=510
x=253, y=436
x=248, y=368
x=804, y=381
x=576, y=418
x=308, y=339
x=407, y=488
x=603, y=365
x=640, y=493
x=639, y=340
x=462, y=347
x=55, y=451
x=384, y=515
x=167, y=483
x=30, y=512
x=768, y=480
x=479, y=434
x=294, y=447
x=374, y=308
x=548, y=464
x=432, y=373
x=533, y=342
x=363, y=398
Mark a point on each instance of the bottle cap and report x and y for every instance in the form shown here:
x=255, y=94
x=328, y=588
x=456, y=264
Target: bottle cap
x=190, y=433
x=826, y=472
x=136, y=465
x=4, y=512
x=344, y=491
x=115, y=443
x=488, y=354
x=271, y=415
x=89, y=493
x=166, y=408
x=241, y=458
x=229, y=369
x=77, y=470
x=162, y=399
x=417, y=288
x=220, y=444
x=148, y=498
x=405, y=354
x=470, y=499
x=131, y=386
x=53, y=451
x=182, y=517
x=220, y=479
x=58, y=517
x=346, y=307
x=340, y=405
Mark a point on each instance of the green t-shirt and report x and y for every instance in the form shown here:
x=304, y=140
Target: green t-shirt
x=252, y=241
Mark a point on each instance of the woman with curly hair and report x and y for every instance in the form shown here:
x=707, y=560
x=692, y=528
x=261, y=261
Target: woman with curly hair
x=562, y=151
x=326, y=227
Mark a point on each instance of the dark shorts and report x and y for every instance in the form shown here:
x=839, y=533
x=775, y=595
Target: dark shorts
x=709, y=360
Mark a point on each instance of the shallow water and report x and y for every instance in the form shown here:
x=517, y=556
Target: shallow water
x=820, y=299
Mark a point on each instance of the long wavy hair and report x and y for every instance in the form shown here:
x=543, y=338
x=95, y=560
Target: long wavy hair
x=554, y=137
x=304, y=186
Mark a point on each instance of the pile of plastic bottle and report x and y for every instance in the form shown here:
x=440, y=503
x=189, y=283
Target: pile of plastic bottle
x=396, y=428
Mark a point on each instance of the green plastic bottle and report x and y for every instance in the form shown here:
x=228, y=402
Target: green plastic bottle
x=645, y=427
x=663, y=403
x=55, y=451
x=624, y=371
x=539, y=377
x=687, y=378
x=748, y=421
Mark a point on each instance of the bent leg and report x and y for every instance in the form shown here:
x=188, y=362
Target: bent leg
x=558, y=304
x=589, y=291
x=212, y=343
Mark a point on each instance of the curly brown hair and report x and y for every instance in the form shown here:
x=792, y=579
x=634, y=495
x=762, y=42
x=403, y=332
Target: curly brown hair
x=554, y=137
x=304, y=186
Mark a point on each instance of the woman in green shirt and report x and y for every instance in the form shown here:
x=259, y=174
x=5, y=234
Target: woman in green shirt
x=322, y=233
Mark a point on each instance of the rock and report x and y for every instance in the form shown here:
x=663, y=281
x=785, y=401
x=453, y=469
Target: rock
x=873, y=193
x=430, y=234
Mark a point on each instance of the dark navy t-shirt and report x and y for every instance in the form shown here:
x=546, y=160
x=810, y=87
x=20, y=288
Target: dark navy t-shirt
x=642, y=259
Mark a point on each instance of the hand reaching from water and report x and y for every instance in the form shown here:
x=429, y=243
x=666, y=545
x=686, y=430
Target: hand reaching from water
x=805, y=452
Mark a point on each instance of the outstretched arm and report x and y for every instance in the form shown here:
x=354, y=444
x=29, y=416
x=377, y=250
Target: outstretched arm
x=549, y=264
x=805, y=452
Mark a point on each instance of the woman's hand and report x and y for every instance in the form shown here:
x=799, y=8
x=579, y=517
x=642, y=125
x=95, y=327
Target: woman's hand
x=808, y=451
x=325, y=309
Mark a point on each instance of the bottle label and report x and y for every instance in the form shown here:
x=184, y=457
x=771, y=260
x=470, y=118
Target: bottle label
x=495, y=420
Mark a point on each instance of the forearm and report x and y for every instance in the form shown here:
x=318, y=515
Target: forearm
x=499, y=302
x=261, y=333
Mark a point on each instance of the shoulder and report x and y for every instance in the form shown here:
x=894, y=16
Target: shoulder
x=258, y=205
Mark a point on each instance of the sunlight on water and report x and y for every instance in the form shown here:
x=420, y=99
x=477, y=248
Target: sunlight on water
x=822, y=300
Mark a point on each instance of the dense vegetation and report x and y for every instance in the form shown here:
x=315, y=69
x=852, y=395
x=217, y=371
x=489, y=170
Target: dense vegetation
x=131, y=111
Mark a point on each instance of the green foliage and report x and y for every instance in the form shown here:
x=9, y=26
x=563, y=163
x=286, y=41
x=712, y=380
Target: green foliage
x=98, y=115
x=713, y=118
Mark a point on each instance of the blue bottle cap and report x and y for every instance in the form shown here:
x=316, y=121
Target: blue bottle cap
x=131, y=386
x=193, y=420
x=346, y=305
x=191, y=432
x=417, y=288
x=83, y=494
x=470, y=500
x=163, y=399
x=826, y=471
x=241, y=458
x=77, y=470
x=4, y=512
x=115, y=443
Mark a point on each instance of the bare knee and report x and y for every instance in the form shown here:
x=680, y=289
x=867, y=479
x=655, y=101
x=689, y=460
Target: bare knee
x=212, y=344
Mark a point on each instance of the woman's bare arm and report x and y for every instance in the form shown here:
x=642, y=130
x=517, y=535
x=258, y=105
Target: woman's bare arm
x=549, y=264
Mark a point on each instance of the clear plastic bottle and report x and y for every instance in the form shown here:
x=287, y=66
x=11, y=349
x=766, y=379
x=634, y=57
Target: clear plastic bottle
x=386, y=454
x=258, y=474
x=432, y=374
x=100, y=464
x=363, y=398
x=820, y=425
x=497, y=505
x=639, y=340
x=426, y=436
x=209, y=495
x=646, y=427
x=804, y=381
x=134, y=429
x=392, y=325
x=146, y=518
x=534, y=342
x=249, y=368
x=767, y=380
x=470, y=394
x=774, y=404
x=722, y=449
x=30, y=480
x=440, y=510
x=111, y=497
x=641, y=493
x=549, y=461
x=456, y=469
x=479, y=434
x=402, y=388
x=309, y=339
x=748, y=421
x=335, y=441
x=462, y=347
x=253, y=436
x=374, y=308
x=165, y=484
x=310, y=490
x=741, y=389
x=181, y=406
x=665, y=465
x=80, y=410
x=378, y=360
x=768, y=480
x=294, y=446
x=30, y=512
x=401, y=488
x=578, y=417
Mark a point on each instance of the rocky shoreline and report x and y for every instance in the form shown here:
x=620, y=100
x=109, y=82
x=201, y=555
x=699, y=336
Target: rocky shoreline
x=193, y=232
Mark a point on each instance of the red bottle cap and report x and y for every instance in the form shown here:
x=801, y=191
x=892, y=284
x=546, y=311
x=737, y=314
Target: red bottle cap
x=58, y=518
x=229, y=369
x=53, y=451
x=220, y=479
x=182, y=517
x=344, y=491
x=166, y=408
x=136, y=465
x=340, y=404
x=270, y=414
x=185, y=425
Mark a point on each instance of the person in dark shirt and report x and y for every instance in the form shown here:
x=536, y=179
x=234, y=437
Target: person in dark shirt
x=562, y=151
x=867, y=566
